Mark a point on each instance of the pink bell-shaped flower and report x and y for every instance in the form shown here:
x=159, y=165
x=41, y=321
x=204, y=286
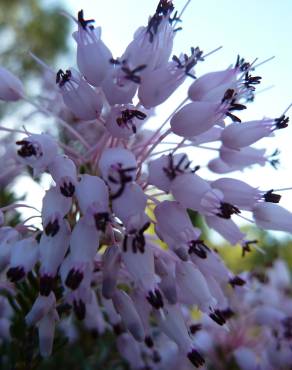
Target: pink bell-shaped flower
x=46, y=330
x=152, y=45
x=130, y=317
x=243, y=157
x=111, y=261
x=195, y=118
x=38, y=151
x=217, y=165
x=175, y=228
x=237, y=192
x=236, y=136
x=55, y=207
x=64, y=173
x=271, y=216
x=84, y=242
x=80, y=98
x=210, y=263
x=93, y=57
x=141, y=268
x=117, y=167
x=42, y=305
x=173, y=325
x=93, y=198
x=123, y=120
x=121, y=83
x=203, y=88
x=94, y=319
x=165, y=269
x=226, y=228
x=163, y=170
x=213, y=134
x=192, y=287
x=24, y=256
x=134, y=195
x=193, y=192
x=158, y=85
x=130, y=350
x=52, y=252
x=8, y=236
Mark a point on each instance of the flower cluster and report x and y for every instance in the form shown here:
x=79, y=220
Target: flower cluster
x=260, y=325
x=118, y=249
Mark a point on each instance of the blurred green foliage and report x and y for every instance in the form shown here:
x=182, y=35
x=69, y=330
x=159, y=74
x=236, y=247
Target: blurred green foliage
x=29, y=25
x=262, y=254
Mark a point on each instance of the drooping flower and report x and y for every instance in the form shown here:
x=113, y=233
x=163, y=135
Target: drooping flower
x=93, y=56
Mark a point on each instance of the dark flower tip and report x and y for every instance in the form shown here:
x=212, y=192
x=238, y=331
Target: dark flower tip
x=236, y=281
x=149, y=342
x=79, y=309
x=46, y=285
x=199, y=248
x=194, y=328
x=155, y=299
x=74, y=279
x=117, y=329
x=227, y=210
x=84, y=23
x=101, y=219
x=218, y=317
x=63, y=77
x=52, y=228
x=27, y=149
x=271, y=197
x=15, y=274
x=67, y=190
x=196, y=358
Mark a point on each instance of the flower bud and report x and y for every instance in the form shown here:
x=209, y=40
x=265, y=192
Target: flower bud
x=202, y=88
x=236, y=136
x=271, y=216
x=125, y=307
x=194, y=119
x=92, y=194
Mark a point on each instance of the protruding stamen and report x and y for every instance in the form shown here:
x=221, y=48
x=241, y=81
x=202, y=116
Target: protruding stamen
x=271, y=197
x=199, y=248
x=237, y=281
x=63, y=77
x=131, y=75
x=67, y=189
x=84, y=23
x=27, y=149
x=155, y=299
x=196, y=358
x=227, y=210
